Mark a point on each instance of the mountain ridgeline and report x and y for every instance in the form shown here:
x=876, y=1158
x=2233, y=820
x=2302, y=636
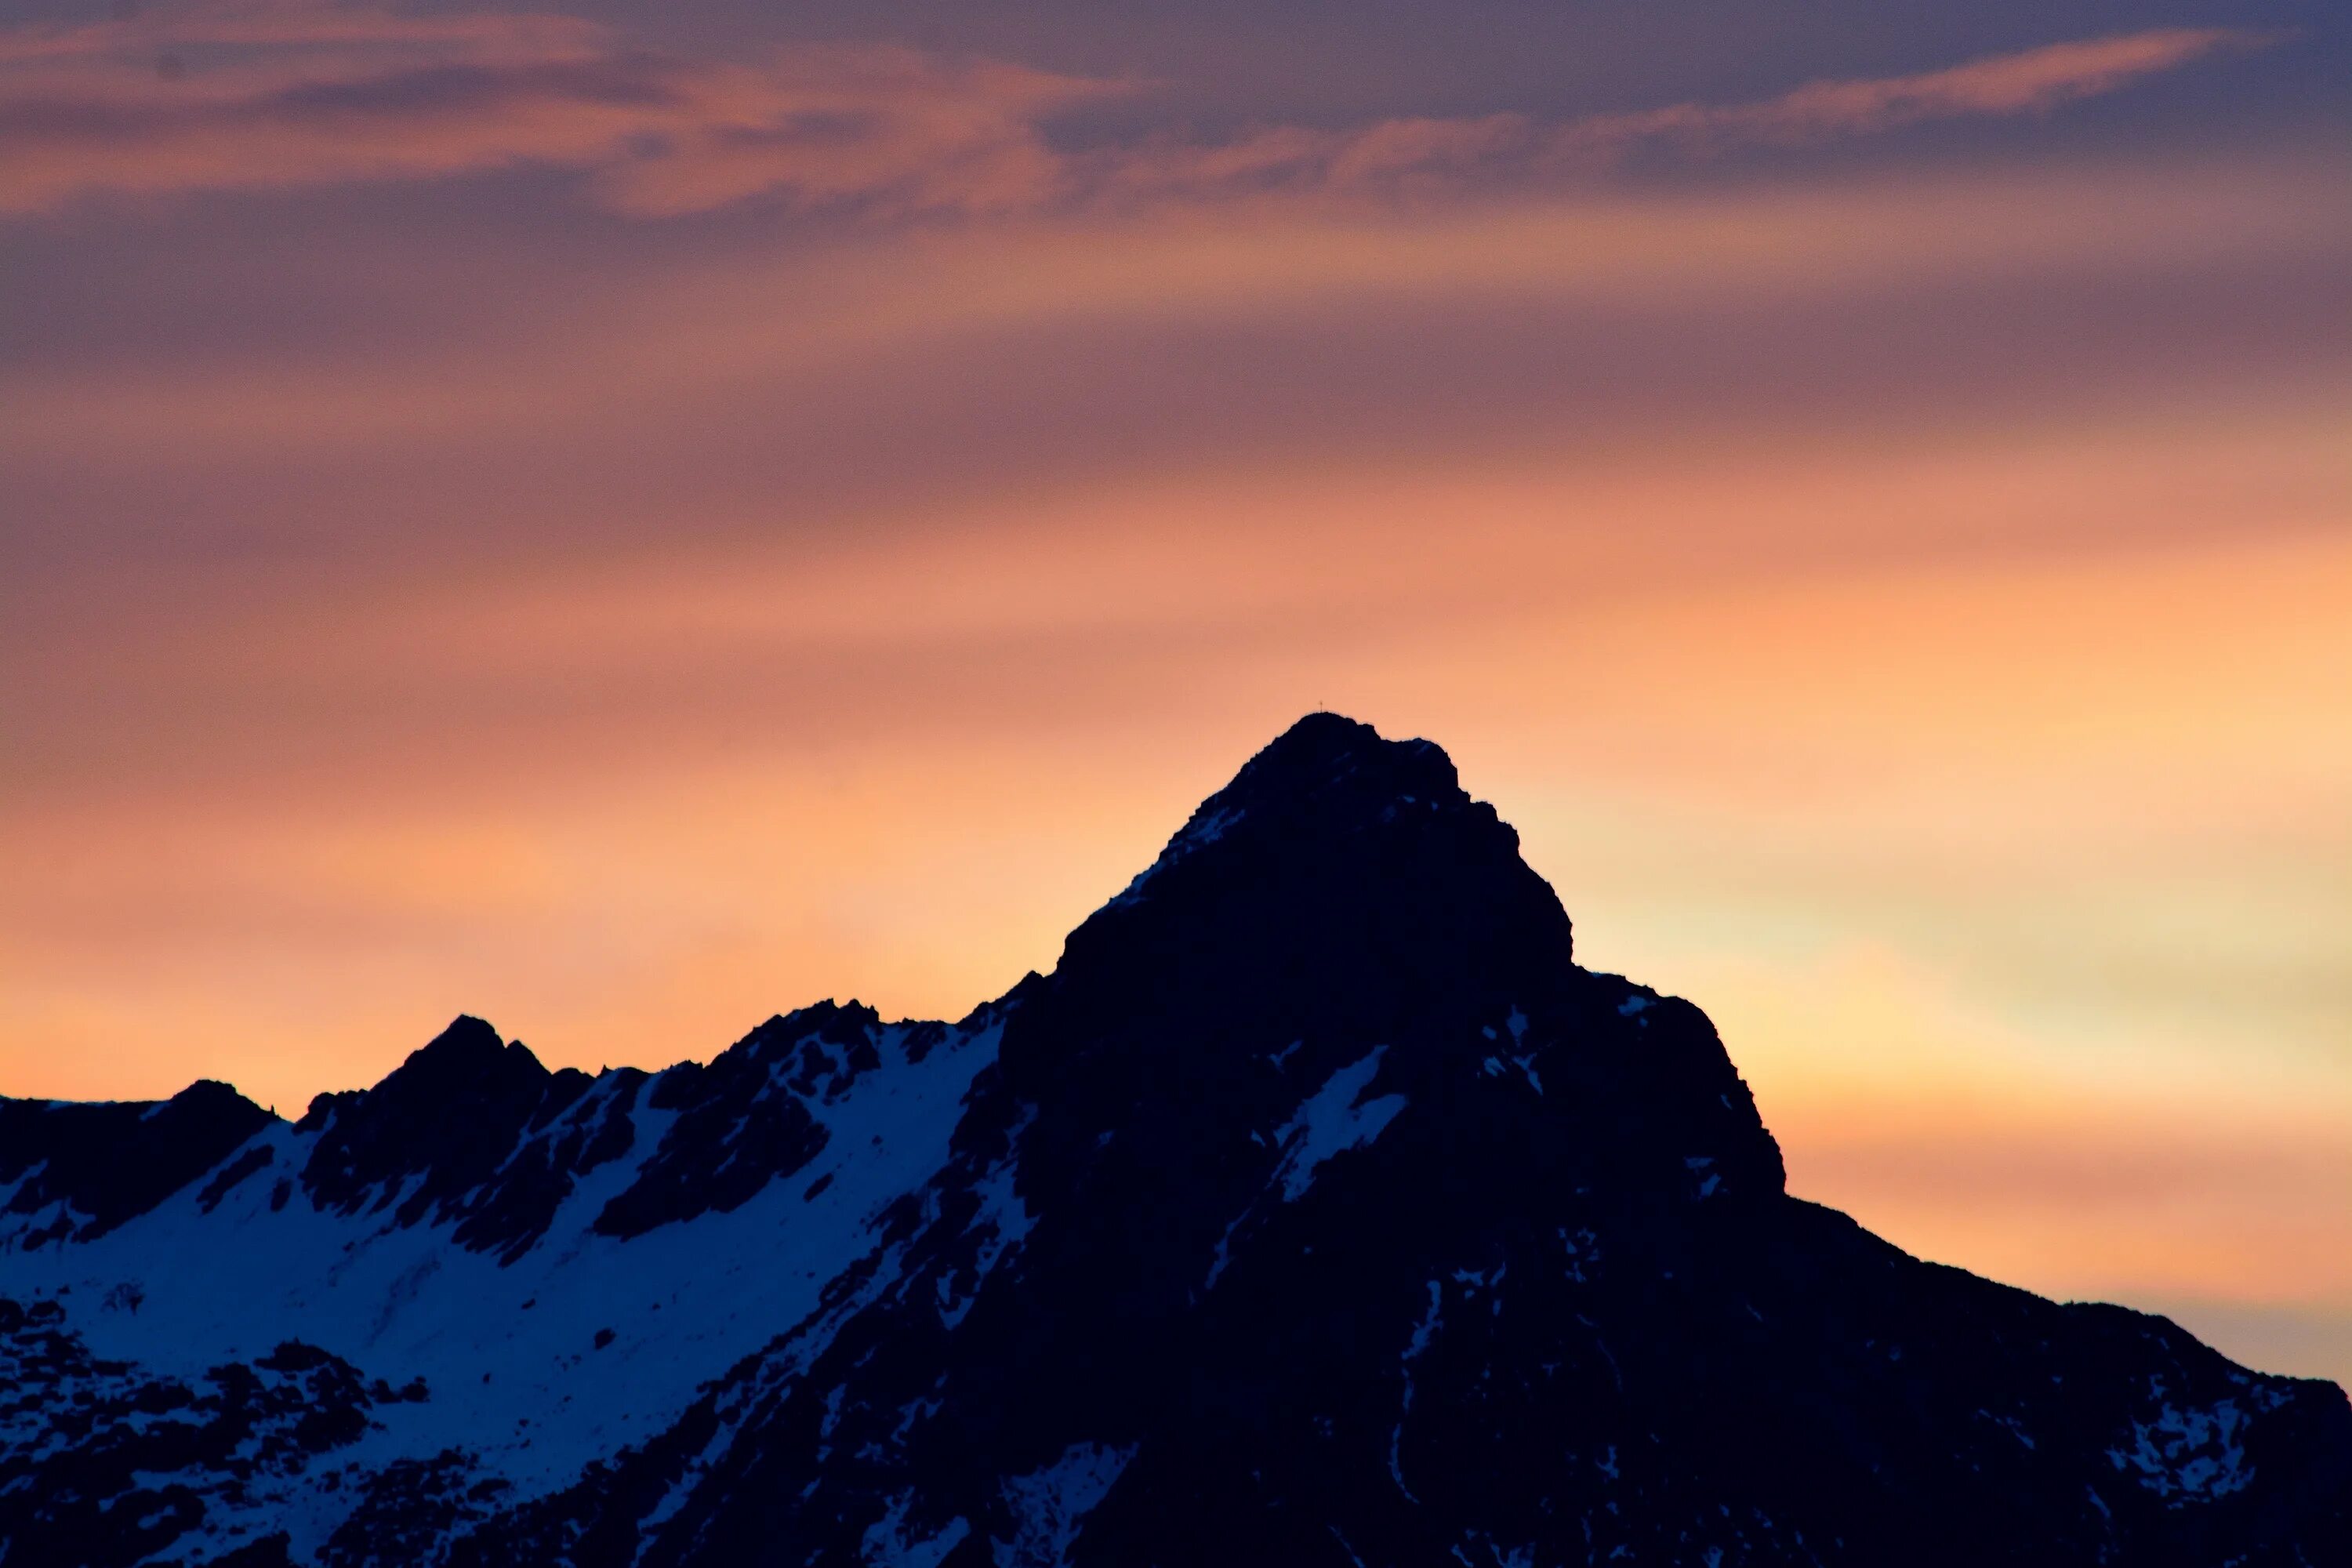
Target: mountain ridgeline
x=1317, y=1209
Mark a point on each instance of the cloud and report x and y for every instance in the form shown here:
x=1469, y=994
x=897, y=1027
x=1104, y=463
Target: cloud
x=299, y=23
x=2032, y=81
x=1503, y=145
x=291, y=94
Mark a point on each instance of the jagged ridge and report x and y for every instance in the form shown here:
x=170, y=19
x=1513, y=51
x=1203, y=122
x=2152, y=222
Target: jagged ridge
x=1316, y=1209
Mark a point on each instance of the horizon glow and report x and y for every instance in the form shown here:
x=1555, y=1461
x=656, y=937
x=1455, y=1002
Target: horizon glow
x=1869, y=504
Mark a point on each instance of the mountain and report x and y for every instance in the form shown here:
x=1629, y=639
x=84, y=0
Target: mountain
x=1317, y=1209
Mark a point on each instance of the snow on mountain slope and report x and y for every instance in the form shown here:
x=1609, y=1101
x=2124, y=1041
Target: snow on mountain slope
x=535, y=1363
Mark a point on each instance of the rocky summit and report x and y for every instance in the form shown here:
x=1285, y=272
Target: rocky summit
x=1317, y=1209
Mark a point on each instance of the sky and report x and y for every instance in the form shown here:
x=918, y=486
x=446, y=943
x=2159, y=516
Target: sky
x=628, y=519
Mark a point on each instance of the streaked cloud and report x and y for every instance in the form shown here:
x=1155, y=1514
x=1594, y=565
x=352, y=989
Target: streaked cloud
x=292, y=95
x=1678, y=306
x=1399, y=152
x=289, y=95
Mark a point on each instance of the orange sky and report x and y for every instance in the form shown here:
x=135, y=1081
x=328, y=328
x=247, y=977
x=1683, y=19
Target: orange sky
x=1885, y=543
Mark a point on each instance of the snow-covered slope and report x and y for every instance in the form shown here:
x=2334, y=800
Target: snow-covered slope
x=533, y=1352
x=1317, y=1208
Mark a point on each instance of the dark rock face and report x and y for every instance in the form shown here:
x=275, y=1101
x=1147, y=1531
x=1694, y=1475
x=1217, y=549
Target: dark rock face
x=1350, y=1223
x=733, y=1135
x=106, y=1162
x=1317, y=1209
x=451, y=1117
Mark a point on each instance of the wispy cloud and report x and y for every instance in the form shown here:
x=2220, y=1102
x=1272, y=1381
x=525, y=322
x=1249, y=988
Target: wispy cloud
x=1503, y=145
x=2023, y=83
x=291, y=94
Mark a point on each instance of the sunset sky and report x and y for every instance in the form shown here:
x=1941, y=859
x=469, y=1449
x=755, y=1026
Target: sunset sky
x=628, y=519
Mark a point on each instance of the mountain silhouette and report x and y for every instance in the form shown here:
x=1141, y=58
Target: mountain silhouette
x=1316, y=1209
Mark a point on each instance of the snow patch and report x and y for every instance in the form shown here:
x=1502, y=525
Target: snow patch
x=1205, y=829
x=1331, y=1122
x=885, y=1543
x=1423, y=1332
x=2188, y=1455
x=1049, y=1506
x=1327, y=1122
x=1582, y=1249
x=1008, y=1222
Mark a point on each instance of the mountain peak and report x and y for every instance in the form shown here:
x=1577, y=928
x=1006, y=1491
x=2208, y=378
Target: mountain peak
x=464, y=1034
x=1321, y=788
x=1341, y=769
x=1326, y=748
x=102, y=1163
x=470, y=1050
x=1341, y=882
x=467, y=1060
